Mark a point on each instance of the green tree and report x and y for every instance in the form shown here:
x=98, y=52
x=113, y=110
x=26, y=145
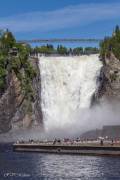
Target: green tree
x=111, y=44
x=8, y=40
x=62, y=50
x=117, y=30
x=78, y=51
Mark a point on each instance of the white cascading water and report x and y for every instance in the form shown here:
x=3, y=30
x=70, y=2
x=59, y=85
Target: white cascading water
x=67, y=85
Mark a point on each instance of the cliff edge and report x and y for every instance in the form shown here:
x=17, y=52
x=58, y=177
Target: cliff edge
x=17, y=112
x=20, y=86
x=109, y=87
x=109, y=80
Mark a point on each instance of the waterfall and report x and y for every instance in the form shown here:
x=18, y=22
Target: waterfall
x=67, y=85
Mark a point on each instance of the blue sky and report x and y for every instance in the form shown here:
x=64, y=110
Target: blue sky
x=30, y=19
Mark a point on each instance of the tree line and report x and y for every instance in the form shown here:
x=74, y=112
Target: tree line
x=62, y=50
x=111, y=44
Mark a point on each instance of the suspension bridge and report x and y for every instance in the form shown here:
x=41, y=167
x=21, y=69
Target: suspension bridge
x=55, y=40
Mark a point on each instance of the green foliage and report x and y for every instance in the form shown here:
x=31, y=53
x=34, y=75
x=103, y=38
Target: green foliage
x=2, y=77
x=3, y=63
x=15, y=64
x=62, y=50
x=3, y=60
x=48, y=49
x=30, y=72
x=91, y=50
x=78, y=51
x=111, y=44
x=117, y=30
x=2, y=84
x=7, y=41
x=19, y=64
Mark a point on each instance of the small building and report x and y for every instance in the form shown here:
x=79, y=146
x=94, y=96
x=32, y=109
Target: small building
x=112, y=131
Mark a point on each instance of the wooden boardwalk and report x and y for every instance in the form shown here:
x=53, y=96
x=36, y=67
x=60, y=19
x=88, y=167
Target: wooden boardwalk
x=78, y=148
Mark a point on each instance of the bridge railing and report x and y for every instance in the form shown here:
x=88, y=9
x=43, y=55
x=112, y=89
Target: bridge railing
x=72, y=40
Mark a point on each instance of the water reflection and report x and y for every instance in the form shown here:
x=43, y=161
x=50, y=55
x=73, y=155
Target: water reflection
x=77, y=167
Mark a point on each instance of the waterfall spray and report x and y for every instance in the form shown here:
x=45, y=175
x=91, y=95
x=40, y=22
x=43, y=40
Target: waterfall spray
x=68, y=84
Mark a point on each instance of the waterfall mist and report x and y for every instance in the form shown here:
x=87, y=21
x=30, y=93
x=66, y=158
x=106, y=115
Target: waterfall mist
x=68, y=84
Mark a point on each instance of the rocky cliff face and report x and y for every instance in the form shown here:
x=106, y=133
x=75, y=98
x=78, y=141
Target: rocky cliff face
x=14, y=112
x=109, y=79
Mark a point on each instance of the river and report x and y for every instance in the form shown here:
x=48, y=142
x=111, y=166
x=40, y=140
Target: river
x=36, y=166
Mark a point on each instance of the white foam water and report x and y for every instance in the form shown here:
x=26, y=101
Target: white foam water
x=67, y=85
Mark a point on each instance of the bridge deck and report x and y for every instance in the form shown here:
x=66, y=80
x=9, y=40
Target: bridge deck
x=72, y=40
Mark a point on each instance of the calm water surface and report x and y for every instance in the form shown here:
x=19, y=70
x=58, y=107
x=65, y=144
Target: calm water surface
x=36, y=166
